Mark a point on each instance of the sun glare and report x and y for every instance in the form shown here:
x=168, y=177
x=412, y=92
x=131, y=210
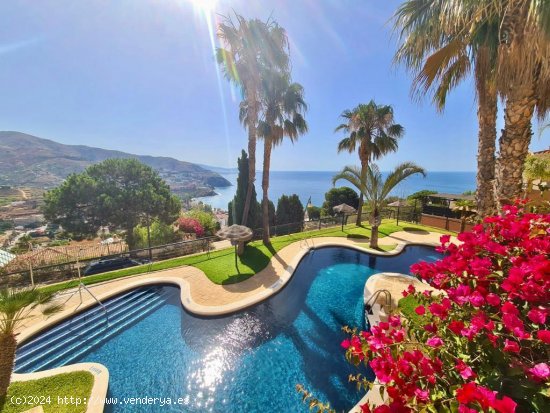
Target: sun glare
x=204, y=5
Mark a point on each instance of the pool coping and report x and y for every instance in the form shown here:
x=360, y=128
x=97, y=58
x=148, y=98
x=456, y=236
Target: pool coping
x=96, y=400
x=190, y=305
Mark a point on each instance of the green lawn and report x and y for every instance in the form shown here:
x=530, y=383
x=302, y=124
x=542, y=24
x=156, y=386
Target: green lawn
x=48, y=392
x=219, y=266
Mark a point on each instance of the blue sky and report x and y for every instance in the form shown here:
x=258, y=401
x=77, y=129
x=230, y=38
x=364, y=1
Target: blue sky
x=140, y=76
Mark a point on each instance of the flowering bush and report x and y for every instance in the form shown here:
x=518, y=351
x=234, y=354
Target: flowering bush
x=483, y=344
x=190, y=225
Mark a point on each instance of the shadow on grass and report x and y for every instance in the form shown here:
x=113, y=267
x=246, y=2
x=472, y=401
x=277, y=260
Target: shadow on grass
x=416, y=230
x=236, y=278
x=254, y=258
x=357, y=236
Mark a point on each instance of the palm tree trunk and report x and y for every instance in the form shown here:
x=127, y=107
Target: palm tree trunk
x=374, y=237
x=252, y=120
x=265, y=188
x=374, y=228
x=487, y=117
x=514, y=143
x=8, y=345
x=364, y=166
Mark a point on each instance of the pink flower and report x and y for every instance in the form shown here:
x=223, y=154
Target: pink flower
x=395, y=321
x=511, y=346
x=345, y=344
x=432, y=328
x=509, y=308
x=540, y=371
x=421, y=395
x=420, y=310
x=544, y=336
x=537, y=316
x=365, y=408
x=476, y=299
x=439, y=310
x=493, y=299
x=505, y=405
x=464, y=370
x=456, y=326
x=434, y=342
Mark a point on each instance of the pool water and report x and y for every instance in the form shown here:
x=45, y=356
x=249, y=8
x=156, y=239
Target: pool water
x=250, y=361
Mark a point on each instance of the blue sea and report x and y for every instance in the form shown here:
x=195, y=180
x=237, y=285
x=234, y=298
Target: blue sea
x=315, y=184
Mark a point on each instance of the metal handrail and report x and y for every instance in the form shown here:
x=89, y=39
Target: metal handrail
x=374, y=297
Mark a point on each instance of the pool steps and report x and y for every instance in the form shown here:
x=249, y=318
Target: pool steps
x=57, y=333
x=71, y=339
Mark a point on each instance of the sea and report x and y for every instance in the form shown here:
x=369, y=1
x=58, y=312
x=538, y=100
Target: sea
x=314, y=185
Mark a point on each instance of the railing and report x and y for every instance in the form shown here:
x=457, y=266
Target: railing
x=68, y=260
x=374, y=298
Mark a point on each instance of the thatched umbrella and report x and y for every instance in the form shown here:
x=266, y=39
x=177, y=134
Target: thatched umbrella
x=344, y=209
x=236, y=234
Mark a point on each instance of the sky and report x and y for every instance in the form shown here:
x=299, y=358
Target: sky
x=140, y=76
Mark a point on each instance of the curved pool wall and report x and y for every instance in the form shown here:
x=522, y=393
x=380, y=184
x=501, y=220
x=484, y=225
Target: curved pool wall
x=244, y=362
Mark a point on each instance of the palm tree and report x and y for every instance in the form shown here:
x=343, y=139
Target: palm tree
x=283, y=108
x=376, y=189
x=524, y=80
x=250, y=48
x=372, y=132
x=441, y=55
x=15, y=307
x=506, y=42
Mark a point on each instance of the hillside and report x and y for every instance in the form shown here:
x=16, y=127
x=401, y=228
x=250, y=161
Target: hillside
x=29, y=161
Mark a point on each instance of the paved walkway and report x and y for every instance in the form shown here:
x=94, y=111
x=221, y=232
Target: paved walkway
x=204, y=292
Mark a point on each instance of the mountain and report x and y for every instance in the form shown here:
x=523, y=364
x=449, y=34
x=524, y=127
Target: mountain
x=29, y=161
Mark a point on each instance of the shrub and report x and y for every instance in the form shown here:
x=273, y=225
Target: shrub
x=483, y=345
x=161, y=234
x=206, y=219
x=190, y=225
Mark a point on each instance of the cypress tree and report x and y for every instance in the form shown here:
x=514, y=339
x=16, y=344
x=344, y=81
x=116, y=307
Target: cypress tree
x=236, y=206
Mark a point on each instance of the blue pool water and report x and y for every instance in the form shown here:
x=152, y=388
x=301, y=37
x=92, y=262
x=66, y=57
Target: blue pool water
x=246, y=362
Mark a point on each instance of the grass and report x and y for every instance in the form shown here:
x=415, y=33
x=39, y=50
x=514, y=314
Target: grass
x=46, y=391
x=219, y=265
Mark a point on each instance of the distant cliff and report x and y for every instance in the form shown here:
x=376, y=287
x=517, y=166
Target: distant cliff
x=29, y=161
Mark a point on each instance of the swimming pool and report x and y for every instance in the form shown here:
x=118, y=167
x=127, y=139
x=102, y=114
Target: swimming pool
x=245, y=362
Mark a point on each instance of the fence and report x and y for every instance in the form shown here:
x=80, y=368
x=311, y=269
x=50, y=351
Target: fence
x=50, y=256
x=68, y=269
x=408, y=214
x=64, y=264
x=450, y=224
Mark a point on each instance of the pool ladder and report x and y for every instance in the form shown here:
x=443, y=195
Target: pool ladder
x=385, y=309
x=307, y=243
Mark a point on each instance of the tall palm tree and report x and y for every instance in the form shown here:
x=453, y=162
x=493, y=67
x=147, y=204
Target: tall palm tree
x=250, y=48
x=283, y=116
x=524, y=80
x=441, y=55
x=15, y=307
x=376, y=189
x=443, y=41
x=370, y=130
